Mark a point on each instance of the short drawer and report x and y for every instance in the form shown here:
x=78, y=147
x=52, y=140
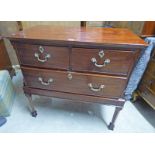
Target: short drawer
x=79, y=83
x=102, y=61
x=43, y=56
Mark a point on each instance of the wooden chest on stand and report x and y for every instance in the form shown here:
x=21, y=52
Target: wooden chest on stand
x=85, y=64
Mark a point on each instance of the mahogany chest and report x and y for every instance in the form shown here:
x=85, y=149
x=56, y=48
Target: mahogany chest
x=85, y=64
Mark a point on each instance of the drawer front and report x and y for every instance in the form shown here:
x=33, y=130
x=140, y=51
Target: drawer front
x=102, y=61
x=43, y=56
x=87, y=84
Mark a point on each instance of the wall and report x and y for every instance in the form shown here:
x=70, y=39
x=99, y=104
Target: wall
x=135, y=26
x=27, y=24
x=6, y=28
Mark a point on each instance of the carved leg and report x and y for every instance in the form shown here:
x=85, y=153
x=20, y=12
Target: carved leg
x=112, y=123
x=30, y=105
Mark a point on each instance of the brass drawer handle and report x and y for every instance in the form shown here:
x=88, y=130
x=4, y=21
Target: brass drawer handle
x=96, y=89
x=42, y=60
x=41, y=50
x=45, y=83
x=101, y=55
x=106, y=61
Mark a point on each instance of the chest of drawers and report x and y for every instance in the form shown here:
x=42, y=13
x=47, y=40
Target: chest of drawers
x=85, y=64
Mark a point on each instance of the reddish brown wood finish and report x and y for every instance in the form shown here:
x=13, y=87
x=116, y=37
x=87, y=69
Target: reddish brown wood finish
x=78, y=97
x=120, y=61
x=72, y=50
x=148, y=29
x=114, y=86
x=59, y=56
x=81, y=36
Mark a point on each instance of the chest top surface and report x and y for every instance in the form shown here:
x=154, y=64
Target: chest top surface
x=85, y=35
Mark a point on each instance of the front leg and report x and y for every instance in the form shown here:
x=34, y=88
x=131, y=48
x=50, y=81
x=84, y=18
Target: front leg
x=30, y=105
x=112, y=123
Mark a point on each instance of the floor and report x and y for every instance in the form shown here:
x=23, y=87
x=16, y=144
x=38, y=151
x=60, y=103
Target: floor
x=59, y=115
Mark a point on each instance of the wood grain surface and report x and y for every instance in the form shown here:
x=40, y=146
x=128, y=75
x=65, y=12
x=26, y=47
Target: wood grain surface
x=120, y=61
x=77, y=97
x=59, y=56
x=83, y=35
x=114, y=86
x=69, y=72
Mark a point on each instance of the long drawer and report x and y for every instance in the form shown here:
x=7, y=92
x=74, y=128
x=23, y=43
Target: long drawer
x=80, y=83
x=43, y=56
x=102, y=61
